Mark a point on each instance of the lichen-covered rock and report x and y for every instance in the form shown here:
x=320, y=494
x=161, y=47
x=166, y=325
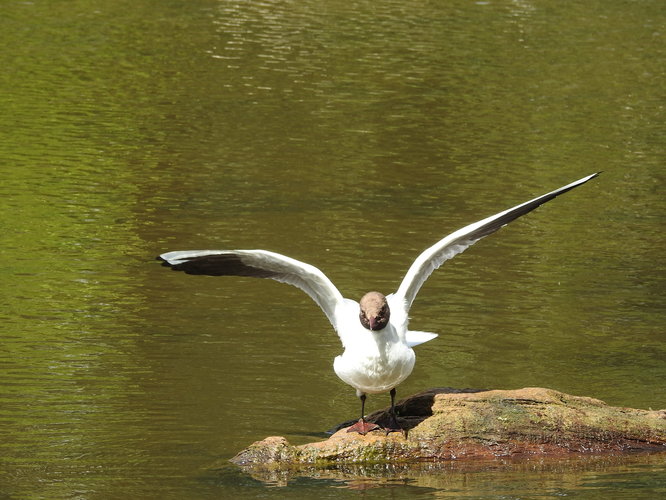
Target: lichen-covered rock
x=273, y=449
x=442, y=424
x=534, y=421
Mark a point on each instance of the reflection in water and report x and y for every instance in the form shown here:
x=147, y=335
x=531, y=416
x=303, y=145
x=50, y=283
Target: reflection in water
x=517, y=477
x=348, y=136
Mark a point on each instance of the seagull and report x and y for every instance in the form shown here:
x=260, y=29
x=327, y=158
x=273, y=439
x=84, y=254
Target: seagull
x=374, y=332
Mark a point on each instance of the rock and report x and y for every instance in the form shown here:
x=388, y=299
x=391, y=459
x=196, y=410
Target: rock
x=446, y=424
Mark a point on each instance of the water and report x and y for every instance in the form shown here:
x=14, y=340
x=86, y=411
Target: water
x=351, y=136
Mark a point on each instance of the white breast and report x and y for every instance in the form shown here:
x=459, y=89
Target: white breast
x=374, y=361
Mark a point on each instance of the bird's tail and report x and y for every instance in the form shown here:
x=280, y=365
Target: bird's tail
x=415, y=337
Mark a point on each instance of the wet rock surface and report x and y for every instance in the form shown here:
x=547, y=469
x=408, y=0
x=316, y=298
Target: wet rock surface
x=446, y=424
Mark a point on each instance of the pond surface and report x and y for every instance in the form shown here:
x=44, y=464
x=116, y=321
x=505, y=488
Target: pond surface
x=350, y=135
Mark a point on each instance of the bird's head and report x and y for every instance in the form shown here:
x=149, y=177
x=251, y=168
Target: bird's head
x=375, y=312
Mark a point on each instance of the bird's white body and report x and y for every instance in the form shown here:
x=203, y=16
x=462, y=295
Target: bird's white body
x=372, y=361
x=377, y=354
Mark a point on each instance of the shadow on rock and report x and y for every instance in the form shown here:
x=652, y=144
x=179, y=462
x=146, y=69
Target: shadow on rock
x=411, y=410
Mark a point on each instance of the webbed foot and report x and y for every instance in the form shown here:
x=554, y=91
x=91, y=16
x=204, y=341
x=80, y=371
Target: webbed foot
x=363, y=427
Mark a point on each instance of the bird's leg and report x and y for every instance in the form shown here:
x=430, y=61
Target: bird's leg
x=393, y=426
x=362, y=427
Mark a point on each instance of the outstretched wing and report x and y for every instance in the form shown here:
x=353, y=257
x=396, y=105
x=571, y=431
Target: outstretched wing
x=458, y=241
x=259, y=264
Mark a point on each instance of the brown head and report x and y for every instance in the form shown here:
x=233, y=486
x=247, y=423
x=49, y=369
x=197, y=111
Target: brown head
x=375, y=311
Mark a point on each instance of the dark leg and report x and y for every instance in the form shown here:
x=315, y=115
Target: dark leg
x=362, y=427
x=363, y=397
x=393, y=426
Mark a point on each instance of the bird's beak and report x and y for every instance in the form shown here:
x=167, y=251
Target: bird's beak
x=373, y=322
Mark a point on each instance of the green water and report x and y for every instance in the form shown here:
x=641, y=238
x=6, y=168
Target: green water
x=350, y=135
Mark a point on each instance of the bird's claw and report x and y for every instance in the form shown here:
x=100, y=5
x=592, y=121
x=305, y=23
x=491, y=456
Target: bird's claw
x=389, y=429
x=392, y=425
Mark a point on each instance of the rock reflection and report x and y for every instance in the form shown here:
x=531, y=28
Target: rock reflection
x=547, y=476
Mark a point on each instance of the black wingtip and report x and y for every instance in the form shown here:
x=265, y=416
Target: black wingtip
x=165, y=263
x=592, y=176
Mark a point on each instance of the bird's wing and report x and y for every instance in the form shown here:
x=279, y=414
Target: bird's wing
x=458, y=241
x=259, y=264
